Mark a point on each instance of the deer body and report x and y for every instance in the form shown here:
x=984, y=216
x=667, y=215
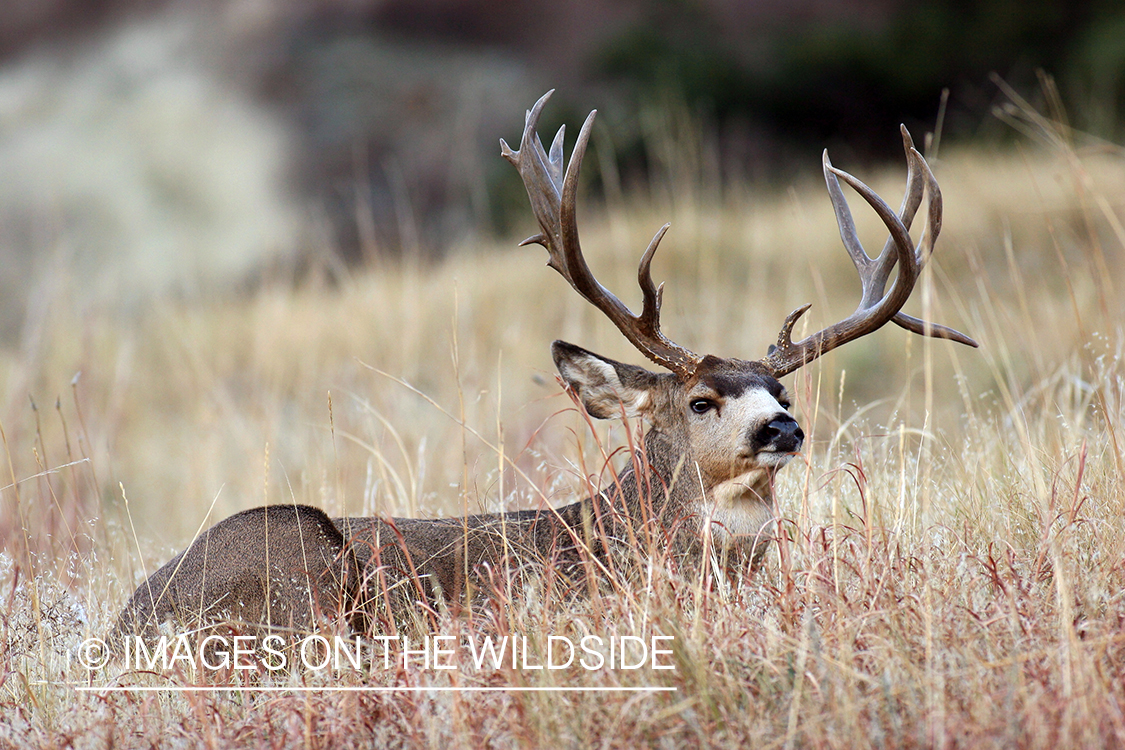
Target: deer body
x=672, y=498
x=697, y=486
x=701, y=484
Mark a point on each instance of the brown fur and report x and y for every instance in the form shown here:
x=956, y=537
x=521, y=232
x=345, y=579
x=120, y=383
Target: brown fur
x=282, y=565
x=365, y=571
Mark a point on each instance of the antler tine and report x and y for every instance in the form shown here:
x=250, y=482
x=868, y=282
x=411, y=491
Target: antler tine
x=553, y=192
x=860, y=259
x=911, y=200
x=933, y=228
x=876, y=307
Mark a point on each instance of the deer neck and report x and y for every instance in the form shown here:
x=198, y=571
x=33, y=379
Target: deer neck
x=736, y=514
x=740, y=506
x=733, y=517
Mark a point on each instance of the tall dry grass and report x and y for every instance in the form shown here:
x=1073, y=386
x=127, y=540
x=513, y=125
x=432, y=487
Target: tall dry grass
x=951, y=567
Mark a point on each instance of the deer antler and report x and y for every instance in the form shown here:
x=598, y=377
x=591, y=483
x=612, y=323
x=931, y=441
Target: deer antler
x=876, y=308
x=553, y=197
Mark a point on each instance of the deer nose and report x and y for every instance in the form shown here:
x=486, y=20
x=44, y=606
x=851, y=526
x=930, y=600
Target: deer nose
x=782, y=434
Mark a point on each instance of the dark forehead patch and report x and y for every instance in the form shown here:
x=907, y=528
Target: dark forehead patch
x=731, y=378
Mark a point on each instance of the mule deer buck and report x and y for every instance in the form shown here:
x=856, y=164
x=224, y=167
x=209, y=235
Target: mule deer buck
x=700, y=484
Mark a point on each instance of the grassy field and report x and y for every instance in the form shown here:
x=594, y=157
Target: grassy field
x=951, y=570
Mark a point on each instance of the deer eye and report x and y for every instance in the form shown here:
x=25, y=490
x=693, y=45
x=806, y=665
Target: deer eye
x=702, y=405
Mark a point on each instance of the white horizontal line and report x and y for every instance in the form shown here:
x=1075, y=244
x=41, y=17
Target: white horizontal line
x=360, y=689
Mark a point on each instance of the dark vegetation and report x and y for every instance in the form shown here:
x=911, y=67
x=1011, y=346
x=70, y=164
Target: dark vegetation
x=364, y=83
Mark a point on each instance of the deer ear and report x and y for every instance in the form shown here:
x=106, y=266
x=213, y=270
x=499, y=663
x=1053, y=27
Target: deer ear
x=606, y=388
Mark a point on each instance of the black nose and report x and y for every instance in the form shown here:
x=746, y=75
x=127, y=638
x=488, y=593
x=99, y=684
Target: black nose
x=782, y=434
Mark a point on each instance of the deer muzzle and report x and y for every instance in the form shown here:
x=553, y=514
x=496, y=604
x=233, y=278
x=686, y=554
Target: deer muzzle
x=781, y=434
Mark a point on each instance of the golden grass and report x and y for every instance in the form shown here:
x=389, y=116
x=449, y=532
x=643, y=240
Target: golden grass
x=952, y=570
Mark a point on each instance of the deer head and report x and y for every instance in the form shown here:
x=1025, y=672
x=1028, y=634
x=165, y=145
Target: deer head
x=730, y=417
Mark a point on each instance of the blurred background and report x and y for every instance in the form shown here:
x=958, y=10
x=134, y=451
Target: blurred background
x=214, y=214
x=163, y=146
